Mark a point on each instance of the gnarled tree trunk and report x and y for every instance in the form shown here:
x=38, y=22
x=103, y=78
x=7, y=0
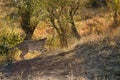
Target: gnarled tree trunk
x=73, y=28
x=63, y=40
x=26, y=22
x=116, y=19
x=62, y=35
x=72, y=11
x=61, y=32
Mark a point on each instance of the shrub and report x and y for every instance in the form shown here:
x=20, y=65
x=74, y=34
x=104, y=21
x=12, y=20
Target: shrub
x=7, y=41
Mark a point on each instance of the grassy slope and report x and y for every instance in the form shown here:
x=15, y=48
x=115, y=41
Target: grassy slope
x=99, y=57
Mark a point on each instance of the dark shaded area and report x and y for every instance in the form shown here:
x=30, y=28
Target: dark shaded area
x=97, y=3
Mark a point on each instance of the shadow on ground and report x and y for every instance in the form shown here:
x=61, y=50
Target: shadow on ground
x=94, y=61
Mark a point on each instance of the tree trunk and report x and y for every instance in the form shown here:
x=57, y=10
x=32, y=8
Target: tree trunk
x=73, y=27
x=25, y=22
x=63, y=40
x=116, y=19
x=61, y=32
x=29, y=33
x=74, y=31
x=52, y=20
x=62, y=35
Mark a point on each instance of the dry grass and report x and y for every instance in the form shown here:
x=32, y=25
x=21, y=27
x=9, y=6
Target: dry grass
x=2, y=58
x=93, y=56
x=15, y=54
x=77, y=62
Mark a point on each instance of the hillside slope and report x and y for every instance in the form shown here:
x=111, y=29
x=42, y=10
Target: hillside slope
x=94, y=59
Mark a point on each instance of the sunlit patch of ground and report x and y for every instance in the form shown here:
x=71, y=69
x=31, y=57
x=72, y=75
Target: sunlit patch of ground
x=31, y=55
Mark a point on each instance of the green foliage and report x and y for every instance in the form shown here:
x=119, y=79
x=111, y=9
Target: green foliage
x=21, y=6
x=3, y=49
x=8, y=40
x=28, y=12
x=114, y=5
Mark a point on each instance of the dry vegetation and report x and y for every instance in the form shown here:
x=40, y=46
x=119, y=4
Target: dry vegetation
x=96, y=56
x=93, y=57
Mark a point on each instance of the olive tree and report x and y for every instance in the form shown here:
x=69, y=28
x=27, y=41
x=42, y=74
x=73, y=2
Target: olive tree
x=28, y=12
x=55, y=10
x=61, y=15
